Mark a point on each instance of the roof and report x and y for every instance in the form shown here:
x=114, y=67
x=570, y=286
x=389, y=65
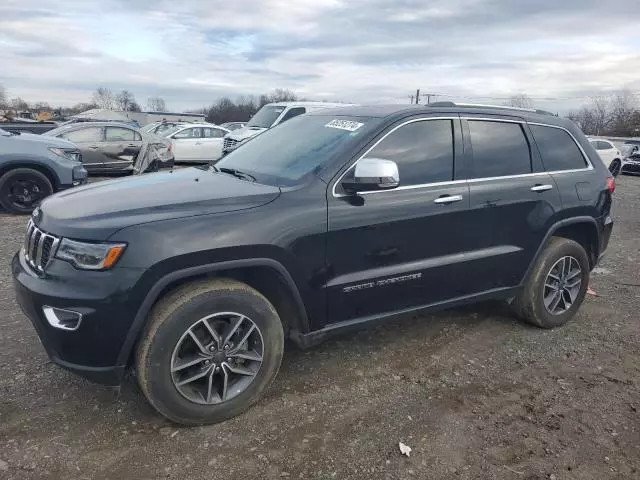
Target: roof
x=309, y=104
x=100, y=124
x=446, y=108
x=198, y=115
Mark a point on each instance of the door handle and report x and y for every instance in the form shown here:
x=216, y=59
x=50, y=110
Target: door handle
x=131, y=146
x=93, y=147
x=446, y=199
x=541, y=188
x=198, y=143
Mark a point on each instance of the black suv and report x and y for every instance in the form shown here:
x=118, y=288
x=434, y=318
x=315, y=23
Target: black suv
x=332, y=220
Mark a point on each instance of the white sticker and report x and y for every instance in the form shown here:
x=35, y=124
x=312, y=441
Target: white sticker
x=348, y=125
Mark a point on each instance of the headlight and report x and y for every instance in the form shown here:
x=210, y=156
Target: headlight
x=90, y=256
x=67, y=154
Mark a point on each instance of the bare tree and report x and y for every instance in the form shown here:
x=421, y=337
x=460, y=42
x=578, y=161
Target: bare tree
x=282, y=95
x=156, y=104
x=42, y=107
x=18, y=104
x=600, y=113
x=519, y=101
x=623, y=108
x=3, y=97
x=134, y=107
x=124, y=100
x=103, y=97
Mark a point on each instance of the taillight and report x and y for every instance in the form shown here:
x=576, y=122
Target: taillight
x=169, y=148
x=611, y=184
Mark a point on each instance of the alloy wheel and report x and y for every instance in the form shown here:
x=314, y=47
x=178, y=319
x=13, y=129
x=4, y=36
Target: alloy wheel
x=562, y=285
x=26, y=192
x=217, y=358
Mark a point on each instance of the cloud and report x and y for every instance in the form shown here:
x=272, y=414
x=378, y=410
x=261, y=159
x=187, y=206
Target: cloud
x=367, y=51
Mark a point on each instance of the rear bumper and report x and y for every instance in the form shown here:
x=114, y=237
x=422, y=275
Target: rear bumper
x=104, y=300
x=606, y=236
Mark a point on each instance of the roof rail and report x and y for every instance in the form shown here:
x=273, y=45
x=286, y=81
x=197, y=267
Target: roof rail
x=479, y=105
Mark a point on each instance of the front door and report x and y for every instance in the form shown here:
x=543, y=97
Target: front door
x=187, y=144
x=402, y=248
x=513, y=202
x=211, y=148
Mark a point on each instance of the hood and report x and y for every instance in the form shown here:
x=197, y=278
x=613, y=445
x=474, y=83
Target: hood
x=96, y=211
x=47, y=141
x=244, y=133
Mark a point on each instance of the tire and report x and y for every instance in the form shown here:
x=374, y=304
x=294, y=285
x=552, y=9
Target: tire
x=28, y=180
x=615, y=167
x=529, y=304
x=168, y=326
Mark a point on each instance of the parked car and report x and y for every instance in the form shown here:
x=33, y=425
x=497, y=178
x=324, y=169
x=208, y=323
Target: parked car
x=33, y=167
x=196, y=142
x=609, y=154
x=336, y=219
x=110, y=147
x=27, y=126
x=231, y=126
x=631, y=157
x=269, y=116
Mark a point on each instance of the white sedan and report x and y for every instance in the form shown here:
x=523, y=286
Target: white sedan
x=609, y=153
x=196, y=142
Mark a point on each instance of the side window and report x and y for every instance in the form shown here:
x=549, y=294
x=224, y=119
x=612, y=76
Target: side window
x=212, y=133
x=422, y=150
x=84, y=135
x=188, y=133
x=119, y=134
x=604, y=145
x=499, y=149
x=293, y=112
x=558, y=150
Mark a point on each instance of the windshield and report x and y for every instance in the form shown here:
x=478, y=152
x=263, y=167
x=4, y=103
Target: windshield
x=265, y=117
x=165, y=132
x=58, y=130
x=284, y=155
x=629, y=149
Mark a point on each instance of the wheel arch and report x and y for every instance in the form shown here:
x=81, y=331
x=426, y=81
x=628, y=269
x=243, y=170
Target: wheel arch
x=583, y=230
x=266, y=275
x=38, y=166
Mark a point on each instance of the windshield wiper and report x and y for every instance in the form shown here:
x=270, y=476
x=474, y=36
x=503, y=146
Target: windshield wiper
x=236, y=173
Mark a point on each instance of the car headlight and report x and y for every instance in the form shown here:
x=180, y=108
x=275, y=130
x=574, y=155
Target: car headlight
x=72, y=155
x=90, y=256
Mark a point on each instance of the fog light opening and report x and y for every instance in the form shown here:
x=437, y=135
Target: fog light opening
x=61, y=318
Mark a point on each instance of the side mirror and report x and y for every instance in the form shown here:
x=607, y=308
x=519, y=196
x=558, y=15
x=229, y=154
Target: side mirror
x=373, y=174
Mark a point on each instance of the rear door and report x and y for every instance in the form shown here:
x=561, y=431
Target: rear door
x=88, y=140
x=402, y=248
x=121, y=146
x=292, y=112
x=513, y=201
x=211, y=147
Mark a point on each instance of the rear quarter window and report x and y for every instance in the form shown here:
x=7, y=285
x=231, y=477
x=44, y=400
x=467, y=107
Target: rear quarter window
x=558, y=149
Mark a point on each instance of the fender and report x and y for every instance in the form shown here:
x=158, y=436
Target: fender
x=562, y=223
x=154, y=292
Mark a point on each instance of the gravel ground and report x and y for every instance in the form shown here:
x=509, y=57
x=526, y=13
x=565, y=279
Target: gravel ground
x=473, y=392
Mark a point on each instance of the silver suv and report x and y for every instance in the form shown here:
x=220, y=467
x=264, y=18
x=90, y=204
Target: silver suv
x=33, y=167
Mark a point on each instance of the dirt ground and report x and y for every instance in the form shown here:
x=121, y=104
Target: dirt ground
x=473, y=392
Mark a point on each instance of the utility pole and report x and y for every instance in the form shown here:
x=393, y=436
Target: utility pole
x=428, y=95
x=417, y=96
x=411, y=97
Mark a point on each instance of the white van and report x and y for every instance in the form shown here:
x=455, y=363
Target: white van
x=270, y=115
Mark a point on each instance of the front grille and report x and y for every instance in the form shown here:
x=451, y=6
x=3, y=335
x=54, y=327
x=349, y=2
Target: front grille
x=39, y=247
x=229, y=144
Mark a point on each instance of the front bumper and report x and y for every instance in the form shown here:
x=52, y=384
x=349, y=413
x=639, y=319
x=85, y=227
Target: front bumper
x=107, y=302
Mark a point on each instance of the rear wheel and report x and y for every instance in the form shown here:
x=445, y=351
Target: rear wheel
x=557, y=285
x=615, y=167
x=22, y=190
x=210, y=350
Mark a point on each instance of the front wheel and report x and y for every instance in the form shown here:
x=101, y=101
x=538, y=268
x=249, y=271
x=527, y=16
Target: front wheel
x=616, y=167
x=22, y=190
x=209, y=351
x=557, y=285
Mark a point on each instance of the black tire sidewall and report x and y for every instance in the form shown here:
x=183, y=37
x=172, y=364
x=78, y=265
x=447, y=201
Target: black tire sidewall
x=167, y=399
x=10, y=176
x=557, y=249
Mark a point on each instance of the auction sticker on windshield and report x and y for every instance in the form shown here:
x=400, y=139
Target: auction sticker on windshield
x=348, y=125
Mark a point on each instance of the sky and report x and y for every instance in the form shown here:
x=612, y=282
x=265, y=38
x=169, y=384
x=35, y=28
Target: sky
x=192, y=52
